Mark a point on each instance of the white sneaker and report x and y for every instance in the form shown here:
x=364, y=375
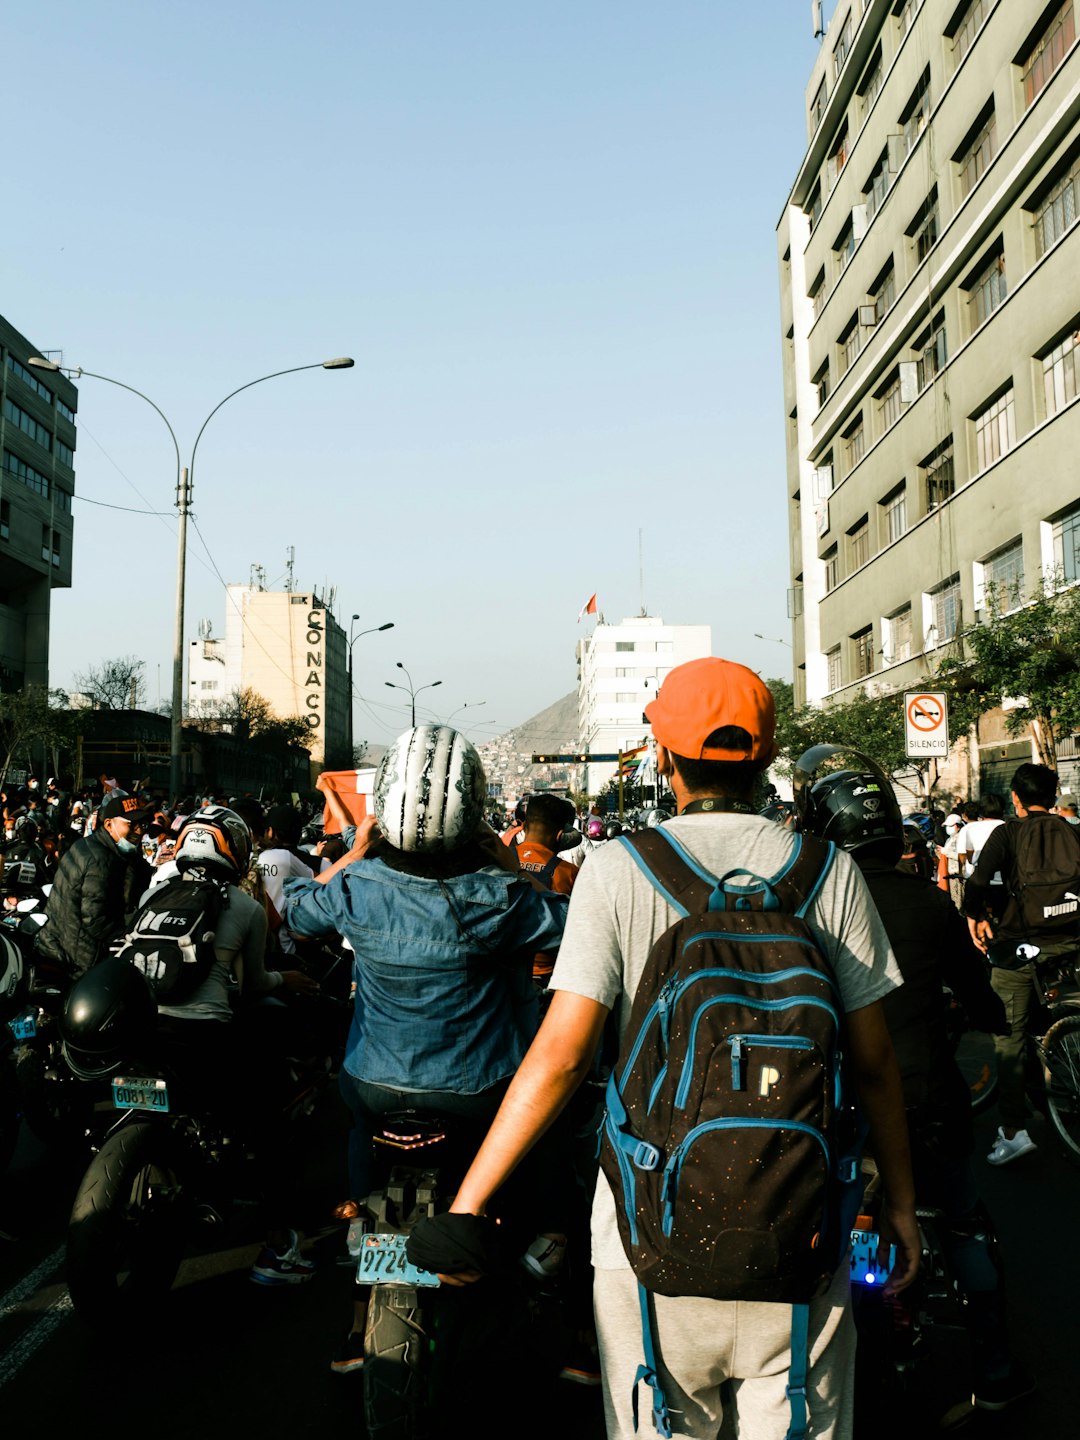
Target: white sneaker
x=544, y=1258
x=1003, y=1150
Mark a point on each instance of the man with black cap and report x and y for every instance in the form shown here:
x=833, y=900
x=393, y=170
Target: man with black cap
x=97, y=886
x=713, y=722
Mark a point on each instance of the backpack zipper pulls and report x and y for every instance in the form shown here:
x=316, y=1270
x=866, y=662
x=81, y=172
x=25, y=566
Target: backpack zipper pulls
x=663, y=1006
x=736, y=1042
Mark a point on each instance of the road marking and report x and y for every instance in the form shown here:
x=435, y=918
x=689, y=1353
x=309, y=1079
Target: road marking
x=32, y=1339
x=13, y=1298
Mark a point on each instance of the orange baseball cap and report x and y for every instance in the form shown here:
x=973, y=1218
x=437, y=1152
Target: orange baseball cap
x=705, y=695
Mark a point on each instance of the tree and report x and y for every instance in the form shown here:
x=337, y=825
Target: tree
x=114, y=684
x=29, y=722
x=1030, y=657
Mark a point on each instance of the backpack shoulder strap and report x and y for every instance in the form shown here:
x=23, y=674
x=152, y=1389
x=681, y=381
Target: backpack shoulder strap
x=799, y=882
x=684, y=884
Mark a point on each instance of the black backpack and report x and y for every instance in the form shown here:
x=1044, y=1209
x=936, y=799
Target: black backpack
x=1046, y=876
x=171, y=940
x=730, y=1141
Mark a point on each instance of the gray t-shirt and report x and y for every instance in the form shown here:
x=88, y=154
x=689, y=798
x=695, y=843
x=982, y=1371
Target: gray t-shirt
x=616, y=915
x=239, y=949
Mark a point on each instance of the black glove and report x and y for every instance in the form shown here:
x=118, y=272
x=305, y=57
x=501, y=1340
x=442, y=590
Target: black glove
x=454, y=1244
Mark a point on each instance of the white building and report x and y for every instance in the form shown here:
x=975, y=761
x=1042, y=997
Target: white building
x=619, y=670
x=289, y=649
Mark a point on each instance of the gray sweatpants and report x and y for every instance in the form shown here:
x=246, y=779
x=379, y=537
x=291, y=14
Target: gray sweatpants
x=702, y=1343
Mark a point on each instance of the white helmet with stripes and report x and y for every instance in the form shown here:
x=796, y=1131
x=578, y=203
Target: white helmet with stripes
x=430, y=790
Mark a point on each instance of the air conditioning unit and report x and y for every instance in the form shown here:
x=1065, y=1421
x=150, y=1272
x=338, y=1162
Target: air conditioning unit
x=868, y=316
x=859, y=222
x=909, y=382
x=823, y=482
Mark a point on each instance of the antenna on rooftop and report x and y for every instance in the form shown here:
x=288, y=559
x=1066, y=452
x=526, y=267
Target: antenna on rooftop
x=819, y=24
x=257, y=578
x=641, y=568
x=289, y=570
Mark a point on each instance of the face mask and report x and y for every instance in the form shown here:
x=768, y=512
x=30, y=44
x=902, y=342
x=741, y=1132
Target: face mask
x=127, y=847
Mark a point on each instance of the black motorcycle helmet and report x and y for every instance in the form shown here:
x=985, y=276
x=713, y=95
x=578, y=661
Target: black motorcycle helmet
x=854, y=808
x=109, y=1014
x=612, y=830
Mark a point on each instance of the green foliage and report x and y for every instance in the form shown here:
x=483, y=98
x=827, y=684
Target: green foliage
x=29, y=723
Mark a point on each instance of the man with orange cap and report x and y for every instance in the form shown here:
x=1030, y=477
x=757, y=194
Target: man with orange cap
x=714, y=723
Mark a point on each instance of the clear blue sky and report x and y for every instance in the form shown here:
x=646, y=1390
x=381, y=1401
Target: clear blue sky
x=544, y=230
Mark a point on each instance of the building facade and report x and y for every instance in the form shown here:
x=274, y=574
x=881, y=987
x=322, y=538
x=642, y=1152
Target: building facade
x=930, y=302
x=620, y=668
x=288, y=648
x=37, y=481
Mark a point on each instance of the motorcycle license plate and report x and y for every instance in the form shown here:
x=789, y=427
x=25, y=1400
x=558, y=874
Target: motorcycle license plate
x=24, y=1027
x=865, y=1269
x=382, y=1261
x=129, y=1094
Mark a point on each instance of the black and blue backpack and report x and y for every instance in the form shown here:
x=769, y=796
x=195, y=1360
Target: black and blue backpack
x=730, y=1140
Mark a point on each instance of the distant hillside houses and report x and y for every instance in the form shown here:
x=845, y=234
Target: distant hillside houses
x=508, y=758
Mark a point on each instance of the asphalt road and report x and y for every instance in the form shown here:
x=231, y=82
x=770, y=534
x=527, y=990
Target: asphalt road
x=230, y=1357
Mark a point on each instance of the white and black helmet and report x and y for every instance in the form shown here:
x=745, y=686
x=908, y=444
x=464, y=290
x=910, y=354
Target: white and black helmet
x=430, y=790
x=12, y=980
x=213, y=836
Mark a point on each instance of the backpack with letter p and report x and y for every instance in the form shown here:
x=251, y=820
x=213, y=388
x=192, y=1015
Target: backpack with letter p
x=730, y=1142
x=1046, y=876
x=171, y=940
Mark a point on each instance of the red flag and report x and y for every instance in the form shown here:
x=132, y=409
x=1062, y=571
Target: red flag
x=589, y=608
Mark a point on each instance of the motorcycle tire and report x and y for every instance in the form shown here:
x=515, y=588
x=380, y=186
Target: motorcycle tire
x=1061, y=1067
x=396, y=1365
x=127, y=1229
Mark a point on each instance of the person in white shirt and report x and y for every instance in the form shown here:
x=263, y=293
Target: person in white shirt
x=278, y=862
x=981, y=820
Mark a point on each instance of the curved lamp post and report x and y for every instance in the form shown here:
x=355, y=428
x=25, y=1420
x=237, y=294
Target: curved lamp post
x=411, y=689
x=184, y=487
x=352, y=641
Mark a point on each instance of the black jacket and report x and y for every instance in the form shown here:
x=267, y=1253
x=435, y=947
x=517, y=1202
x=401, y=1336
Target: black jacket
x=999, y=853
x=933, y=948
x=95, y=890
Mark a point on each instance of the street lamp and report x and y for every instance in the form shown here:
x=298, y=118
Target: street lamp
x=185, y=482
x=469, y=705
x=352, y=641
x=411, y=689
x=774, y=638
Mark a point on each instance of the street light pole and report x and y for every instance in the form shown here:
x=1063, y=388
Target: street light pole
x=352, y=641
x=185, y=480
x=469, y=705
x=411, y=690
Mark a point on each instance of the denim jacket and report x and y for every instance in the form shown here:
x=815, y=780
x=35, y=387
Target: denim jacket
x=444, y=998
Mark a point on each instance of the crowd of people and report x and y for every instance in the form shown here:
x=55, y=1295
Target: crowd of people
x=462, y=939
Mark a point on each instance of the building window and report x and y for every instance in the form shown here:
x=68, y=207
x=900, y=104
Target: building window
x=50, y=545
x=897, y=636
x=877, y=187
x=1066, y=540
x=923, y=230
x=859, y=543
x=835, y=669
x=665, y=647
x=995, y=430
x=884, y=292
x=977, y=157
x=65, y=454
x=916, y=112
x=1048, y=52
x=1003, y=578
x=821, y=380
x=1059, y=373
x=65, y=410
x=622, y=672
x=905, y=16
x=29, y=379
x=817, y=109
x=894, y=515
x=842, y=47
x=814, y=206
x=625, y=697
x=31, y=478
x=832, y=569
x=5, y=520
x=844, y=248
x=854, y=445
x=862, y=648
x=870, y=86
x=850, y=344
x=1056, y=212
x=837, y=157
x=932, y=352
x=818, y=294
x=987, y=291
x=945, y=608
x=940, y=475
x=889, y=406
x=624, y=647
x=27, y=424
x=970, y=24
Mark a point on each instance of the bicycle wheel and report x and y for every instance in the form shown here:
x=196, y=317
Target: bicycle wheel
x=976, y=1062
x=1061, y=1067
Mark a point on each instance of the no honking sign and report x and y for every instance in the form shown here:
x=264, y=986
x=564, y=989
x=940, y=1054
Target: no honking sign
x=926, y=724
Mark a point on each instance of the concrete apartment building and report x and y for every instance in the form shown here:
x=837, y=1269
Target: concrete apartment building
x=289, y=649
x=930, y=302
x=37, y=480
x=619, y=669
